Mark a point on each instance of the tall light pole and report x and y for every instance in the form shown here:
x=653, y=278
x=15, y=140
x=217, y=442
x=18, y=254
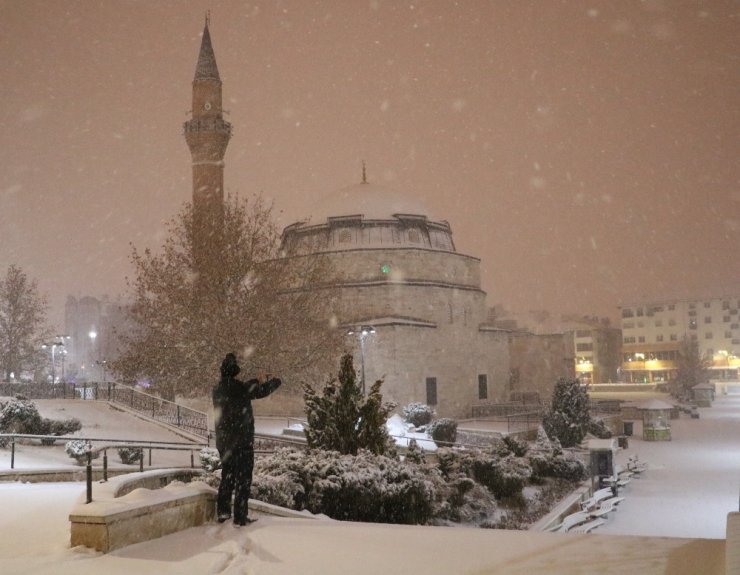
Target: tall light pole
x=362, y=332
x=92, y=335
x=53, y=346
x=62, y=338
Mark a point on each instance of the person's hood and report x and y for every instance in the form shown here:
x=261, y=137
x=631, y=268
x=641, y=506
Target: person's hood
x=229, y=366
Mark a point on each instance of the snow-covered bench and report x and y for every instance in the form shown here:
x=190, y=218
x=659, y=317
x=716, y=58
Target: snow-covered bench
x=606, y=506
x=635, y=466
x=596, y=498
x=586, y=527
x=570, y=521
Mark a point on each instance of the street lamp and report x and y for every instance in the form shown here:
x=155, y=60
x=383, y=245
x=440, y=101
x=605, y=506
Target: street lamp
x=92, y=335
x=53, y=346
x=102, y=363
x=362, y=332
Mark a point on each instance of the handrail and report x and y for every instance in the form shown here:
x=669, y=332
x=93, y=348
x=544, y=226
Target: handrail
x=146, y=444
x=157, y=408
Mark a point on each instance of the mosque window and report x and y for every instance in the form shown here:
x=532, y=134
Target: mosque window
x=345, y=236
x=431, y=391
x=482, y=386
x=414, y=236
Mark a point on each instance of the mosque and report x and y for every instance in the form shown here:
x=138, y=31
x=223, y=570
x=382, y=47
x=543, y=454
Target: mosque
x=411, y=305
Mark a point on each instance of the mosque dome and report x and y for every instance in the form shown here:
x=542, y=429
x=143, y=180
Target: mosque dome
x=370, y=201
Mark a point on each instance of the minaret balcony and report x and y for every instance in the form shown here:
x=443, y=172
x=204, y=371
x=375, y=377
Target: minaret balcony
x=208, y=125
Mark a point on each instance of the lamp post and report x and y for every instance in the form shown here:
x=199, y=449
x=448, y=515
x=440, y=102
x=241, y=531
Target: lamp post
x=102, y=363
x=53, y=346
x=362, y=332
x=92, y=335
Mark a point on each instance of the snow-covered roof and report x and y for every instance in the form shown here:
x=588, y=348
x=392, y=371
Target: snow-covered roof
x=654, y=404
x=371, y=201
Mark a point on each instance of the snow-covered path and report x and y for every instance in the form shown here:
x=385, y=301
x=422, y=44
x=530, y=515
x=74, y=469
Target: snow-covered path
x=692, y=482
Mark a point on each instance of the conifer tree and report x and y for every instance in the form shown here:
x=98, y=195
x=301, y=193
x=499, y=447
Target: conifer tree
x=568, y=417
x=341, y=419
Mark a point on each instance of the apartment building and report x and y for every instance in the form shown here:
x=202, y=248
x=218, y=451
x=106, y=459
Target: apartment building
x=652, y=333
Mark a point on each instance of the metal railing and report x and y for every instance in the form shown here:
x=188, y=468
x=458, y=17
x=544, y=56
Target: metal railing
x=162, y=410
x=493, y=410
x=108, y=444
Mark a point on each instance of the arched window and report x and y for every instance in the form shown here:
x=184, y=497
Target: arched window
x=414, y=236
x=345, y=236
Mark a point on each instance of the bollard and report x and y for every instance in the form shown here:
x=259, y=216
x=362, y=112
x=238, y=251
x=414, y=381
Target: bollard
x=89, y=476
x=141, y=461
x=12, y=453
x=105, y=465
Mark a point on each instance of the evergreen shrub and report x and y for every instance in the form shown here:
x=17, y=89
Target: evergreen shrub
x=210, y=460
x=130, y=455
x=443, y=431
x=418, y=414
x=365, y=487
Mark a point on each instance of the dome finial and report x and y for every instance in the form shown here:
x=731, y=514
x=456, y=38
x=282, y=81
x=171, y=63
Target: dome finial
x=208, y=18
x=364, y=173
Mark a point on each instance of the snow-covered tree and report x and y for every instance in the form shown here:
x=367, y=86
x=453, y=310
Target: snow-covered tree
x=22, y=323
x=568, y=417
x=242, y=298
x=693, y=369
x=341, y=419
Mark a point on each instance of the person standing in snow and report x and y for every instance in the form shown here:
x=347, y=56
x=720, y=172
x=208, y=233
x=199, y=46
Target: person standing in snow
x=232, y=400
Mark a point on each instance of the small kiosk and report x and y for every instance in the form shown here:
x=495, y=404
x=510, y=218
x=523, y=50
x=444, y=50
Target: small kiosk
x=703, y=394
x=656, y=420
x=602, y=458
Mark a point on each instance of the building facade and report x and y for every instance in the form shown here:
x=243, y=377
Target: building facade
x=410, y=303
x=652, y=334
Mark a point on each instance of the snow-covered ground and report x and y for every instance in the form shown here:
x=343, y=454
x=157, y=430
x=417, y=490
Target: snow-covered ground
x=692, y=482
x=690, y=487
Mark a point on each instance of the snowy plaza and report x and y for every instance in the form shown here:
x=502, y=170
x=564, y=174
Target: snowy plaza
x=673, y=520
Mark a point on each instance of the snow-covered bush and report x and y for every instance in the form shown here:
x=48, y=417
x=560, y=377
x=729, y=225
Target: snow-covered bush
x=20, y=416
x=598, y=428
x=547, y=459
x=130, y=455
x=515, y=446
x=58, y=427
x=365, y=487
x=414, y=453
x=418, y=414
x=78, y=449
x=443, y=431
x=502, y=476
x=210, y=460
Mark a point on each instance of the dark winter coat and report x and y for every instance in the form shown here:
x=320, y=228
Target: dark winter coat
x=232, y=400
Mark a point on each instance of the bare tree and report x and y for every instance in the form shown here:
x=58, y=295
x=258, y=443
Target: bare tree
x=22, y=323
x=244, y=299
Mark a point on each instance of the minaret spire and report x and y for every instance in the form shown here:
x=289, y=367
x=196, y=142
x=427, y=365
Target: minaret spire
x=207, y=135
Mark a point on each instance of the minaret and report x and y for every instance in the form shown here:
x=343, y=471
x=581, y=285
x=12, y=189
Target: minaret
x=207, y=135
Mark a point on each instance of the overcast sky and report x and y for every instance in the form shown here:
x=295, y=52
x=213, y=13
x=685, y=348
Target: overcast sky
x=586, y=151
